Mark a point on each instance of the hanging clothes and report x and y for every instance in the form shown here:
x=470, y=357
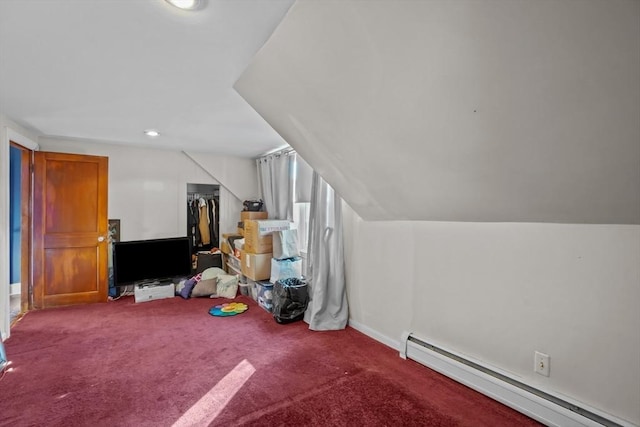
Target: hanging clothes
x=193, y=218
x=211, y=205
x=204, y=222
x=216, y=222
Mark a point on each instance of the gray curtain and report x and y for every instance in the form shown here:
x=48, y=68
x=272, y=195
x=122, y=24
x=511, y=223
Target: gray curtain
x=328, y=309
x=275, y=179
x=303, y=178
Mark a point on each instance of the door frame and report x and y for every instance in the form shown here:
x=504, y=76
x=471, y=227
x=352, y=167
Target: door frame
x=8, y=135
x=26, y=226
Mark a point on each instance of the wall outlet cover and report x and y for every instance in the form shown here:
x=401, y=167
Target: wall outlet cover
x=541, y=363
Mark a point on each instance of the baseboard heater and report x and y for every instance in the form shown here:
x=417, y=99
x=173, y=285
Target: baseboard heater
x=549, y=409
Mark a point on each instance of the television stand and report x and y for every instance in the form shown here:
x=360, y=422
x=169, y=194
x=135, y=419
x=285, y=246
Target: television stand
x=150, y=291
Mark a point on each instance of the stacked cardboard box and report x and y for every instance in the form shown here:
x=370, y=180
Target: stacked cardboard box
x=247, y=215
x=231, y=263
x=225, y=246
x=256, y=256
x=258, y=234
x=256, y=266
x=250, y=215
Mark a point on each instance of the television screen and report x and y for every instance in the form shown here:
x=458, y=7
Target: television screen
x=142, y=261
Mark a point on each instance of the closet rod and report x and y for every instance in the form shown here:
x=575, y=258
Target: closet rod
x=194, y=196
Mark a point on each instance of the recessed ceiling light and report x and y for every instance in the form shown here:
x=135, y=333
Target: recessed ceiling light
x=151, y=132
x=184, y=4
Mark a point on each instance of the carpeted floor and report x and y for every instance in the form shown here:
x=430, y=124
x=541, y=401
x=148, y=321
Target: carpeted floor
x=168, y=362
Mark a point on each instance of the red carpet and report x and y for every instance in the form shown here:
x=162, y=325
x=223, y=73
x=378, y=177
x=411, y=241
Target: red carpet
x=169, y=362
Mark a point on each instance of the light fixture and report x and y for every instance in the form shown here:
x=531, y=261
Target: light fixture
x=184, y=4
x=151, y=132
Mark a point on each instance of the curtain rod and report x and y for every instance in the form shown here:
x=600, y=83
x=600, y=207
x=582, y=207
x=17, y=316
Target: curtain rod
x=278, y=152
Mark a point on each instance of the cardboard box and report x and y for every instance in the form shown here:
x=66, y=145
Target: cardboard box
x=256, y=266
x=245, y=215
x=224, y=243
x=258, y=237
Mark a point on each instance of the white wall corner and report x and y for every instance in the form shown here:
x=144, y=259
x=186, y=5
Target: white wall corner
x=389, y=342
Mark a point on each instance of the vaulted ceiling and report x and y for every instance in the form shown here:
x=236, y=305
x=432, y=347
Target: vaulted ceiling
x=492, y=110
x=106, y=70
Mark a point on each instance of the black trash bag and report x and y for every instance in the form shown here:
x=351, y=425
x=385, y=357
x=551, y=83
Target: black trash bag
x=290, y=300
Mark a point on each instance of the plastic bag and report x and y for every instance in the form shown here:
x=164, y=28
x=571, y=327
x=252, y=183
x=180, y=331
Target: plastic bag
x=285, y=244
x=285, y=268
x=290, y=300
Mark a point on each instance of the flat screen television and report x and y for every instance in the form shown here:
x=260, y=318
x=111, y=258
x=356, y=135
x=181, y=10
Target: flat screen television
x=142, y=261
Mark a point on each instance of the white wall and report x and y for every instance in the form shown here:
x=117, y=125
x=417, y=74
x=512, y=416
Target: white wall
x=500, y=291
x=466, y=110
x=508, y=115
x=232, y=172
x=148, y=188
x=7, y=128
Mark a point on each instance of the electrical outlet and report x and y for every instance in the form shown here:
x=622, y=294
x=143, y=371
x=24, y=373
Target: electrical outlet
x=541, y=363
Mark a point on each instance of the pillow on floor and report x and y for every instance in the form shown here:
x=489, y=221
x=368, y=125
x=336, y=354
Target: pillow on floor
x=227, y=286
x=205, y=288
x=185, y=292
x=212, y=272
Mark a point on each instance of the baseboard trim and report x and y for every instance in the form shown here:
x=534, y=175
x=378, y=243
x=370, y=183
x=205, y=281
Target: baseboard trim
x=375, y=334
x=15, y=289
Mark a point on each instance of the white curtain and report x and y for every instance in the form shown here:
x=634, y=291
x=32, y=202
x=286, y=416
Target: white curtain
x=328, y=309
x=275, y=181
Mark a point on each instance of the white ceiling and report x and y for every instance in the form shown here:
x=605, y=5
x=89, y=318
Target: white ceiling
x=106, y=70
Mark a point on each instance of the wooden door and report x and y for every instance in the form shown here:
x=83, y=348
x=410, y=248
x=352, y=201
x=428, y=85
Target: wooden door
x=69, y=229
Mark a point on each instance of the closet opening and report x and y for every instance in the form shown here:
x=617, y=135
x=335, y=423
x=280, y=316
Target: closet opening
x=203, y=216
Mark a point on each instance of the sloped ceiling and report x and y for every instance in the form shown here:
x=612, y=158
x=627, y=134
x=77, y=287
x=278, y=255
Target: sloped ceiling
x=461, y=111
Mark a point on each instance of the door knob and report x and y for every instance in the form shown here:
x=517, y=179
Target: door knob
x=100, y=238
